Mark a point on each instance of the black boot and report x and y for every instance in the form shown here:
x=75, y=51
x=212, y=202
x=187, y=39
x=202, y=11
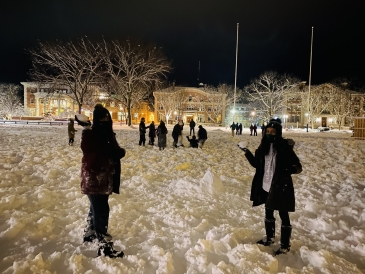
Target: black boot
x=89, y=231
x=107, y=249
x=270, y=233
x=284, y=240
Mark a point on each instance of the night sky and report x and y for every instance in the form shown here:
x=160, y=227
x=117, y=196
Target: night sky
x=273, y=35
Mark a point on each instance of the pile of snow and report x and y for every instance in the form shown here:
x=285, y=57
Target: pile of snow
x=180, y=210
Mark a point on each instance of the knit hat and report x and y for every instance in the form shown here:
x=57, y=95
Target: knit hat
x=99, y=113
x=276, y=124
x=200, y=126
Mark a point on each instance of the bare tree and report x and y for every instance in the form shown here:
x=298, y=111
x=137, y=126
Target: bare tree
x=320, y=101
x=74, y=65
x=215, y=102
x=132, y=70
x=268, y=92
x=343, y=105
x=10, y=104
x=169, y=100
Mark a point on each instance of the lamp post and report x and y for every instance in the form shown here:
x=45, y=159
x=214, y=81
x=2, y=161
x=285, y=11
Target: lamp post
x=253, y=116
x=235, y=72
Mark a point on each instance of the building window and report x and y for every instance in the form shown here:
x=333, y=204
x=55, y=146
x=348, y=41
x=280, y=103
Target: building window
x=33, y=90
x=31, y=100
x=41, y=101
x=112, y=104
x=190, y=98
x=190, y=108
x=160, y=107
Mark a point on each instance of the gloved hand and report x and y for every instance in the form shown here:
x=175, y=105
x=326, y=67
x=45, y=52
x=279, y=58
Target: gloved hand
x=82, y=120
x=244, y=149
x=243, y=146
x=291, y=170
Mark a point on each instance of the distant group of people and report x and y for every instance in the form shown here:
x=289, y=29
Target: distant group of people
x=236, y=128
x=177, y=134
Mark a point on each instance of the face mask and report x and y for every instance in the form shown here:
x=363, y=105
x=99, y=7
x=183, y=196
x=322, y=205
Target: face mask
x=270, y=138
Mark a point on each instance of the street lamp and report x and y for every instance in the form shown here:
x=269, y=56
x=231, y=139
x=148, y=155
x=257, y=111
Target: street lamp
x=253, y=116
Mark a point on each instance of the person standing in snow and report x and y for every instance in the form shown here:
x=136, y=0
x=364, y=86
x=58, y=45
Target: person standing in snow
x=142, y=132
x=177, y=134
x=254, y=130
x=240, y=128
x=202, y=136
x=152, y=133
x=100, y=176
x=161, y=135
x=233, y=128
x=251, y=129
x=192, y=127
x=275, y=161
x=71, y=132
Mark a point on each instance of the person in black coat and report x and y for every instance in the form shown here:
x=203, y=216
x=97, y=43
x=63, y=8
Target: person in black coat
x=176, y=132
x=254, y=130
x=233, y=128
x=272, y=185
x=193, y=141
x=202, y=136
x=192, y=127
x=152, y=133
x=142, y=132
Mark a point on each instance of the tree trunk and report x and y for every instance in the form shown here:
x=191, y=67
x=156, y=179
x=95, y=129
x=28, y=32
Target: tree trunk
x=129, y=113
x=80, y=105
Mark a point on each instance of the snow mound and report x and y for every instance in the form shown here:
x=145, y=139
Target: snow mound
x=211, y=183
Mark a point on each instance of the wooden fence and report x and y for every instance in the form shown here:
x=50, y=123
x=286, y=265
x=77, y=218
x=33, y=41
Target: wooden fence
x=359, y=128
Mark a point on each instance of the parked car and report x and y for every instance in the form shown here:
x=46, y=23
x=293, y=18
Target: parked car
x=323, y=129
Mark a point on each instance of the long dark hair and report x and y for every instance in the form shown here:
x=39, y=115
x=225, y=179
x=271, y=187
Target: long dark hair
x=265, y=144
x=162, y=127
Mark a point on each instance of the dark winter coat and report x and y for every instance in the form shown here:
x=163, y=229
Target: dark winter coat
x=100, y=168
x=192, y=124
x=152, y=132
x=281, y=194
x=71, y=130
x=161, y=133
x=193, y=142
x=142, y=128
x=176, y=131
x=202, y=134
x=233, y=126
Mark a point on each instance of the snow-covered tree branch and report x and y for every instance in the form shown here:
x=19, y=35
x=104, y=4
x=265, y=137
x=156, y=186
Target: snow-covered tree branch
x=132, y=71
x=74, y=65
x=10, y=104
x=268, y=92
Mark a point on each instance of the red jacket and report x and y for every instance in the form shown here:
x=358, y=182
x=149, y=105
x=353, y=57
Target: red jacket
x=99, y=164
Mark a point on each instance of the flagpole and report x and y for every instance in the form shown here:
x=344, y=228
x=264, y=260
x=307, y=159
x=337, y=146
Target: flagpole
x=235, y=74
x=310, y=79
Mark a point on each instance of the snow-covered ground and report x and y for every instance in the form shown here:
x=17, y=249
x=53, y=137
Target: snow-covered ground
x=171, y=217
